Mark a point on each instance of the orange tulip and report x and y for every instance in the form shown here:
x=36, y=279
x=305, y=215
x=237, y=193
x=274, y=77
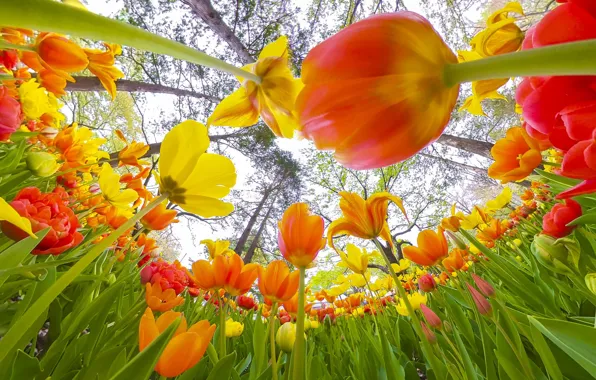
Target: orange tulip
x=375, y=93
x=365, y=219
x=184, y=350
x=432, y=246
x=491, y=232
x=300, y=236
x=159, y=217
x=52, y=82
x=59, y=53
x=291, y=305
x=159, y=300
x=455, y=260
x=516, y=156
x=131, y=153
x=354, y=300
x=101, y=64
x=225, y=272
x=277, y=283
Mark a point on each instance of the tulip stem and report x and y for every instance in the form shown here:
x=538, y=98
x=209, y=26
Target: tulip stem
x=272, y=340
x=573, y=58
x=299, y=345
x=222, y=327
x=52, y=16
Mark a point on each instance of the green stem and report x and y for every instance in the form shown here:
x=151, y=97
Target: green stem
x=14, y=335
x=8, y=45
x=52, y=16
x=573, y=58
x=272, y=340
x=299, y=345
x=415, y=321
x=222, y=327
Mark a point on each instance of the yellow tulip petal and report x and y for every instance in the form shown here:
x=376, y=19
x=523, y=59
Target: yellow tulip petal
x=206, y=207
x=277, y=48
x=213, y=176
x=236, y=110
x=9, y=214
x=181, y=148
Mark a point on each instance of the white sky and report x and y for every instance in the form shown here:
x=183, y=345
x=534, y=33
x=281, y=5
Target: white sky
x=191, y=251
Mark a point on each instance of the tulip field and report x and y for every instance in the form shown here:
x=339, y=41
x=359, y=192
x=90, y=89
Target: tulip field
x=503, y=290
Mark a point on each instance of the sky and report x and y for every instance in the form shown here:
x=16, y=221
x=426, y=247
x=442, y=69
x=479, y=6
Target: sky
x=189, y=234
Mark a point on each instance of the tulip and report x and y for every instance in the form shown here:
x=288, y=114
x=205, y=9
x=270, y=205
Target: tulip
x=10, y=114
x=501, y=35
x=455, y=260
x=276, y=283
x=427, y=283
x=273, y=98
x=356, y=259
x=559, y=255
x=60, y=53
x=9, y=216
x=233, y=328
x=577, y=163
x=42, y=164
x=247, y=302
x=481, y=303
x=101, y=64
x=554, y=223
x=516, y=156
x=383, y=109
x=365, y=219
x=430, y=336
x=431, y=317
x=225, y=272
x=486, y=288
x=159, y=218
x=52, y=82
x=109, y=183
x=491, y=232
x=184, y=350
x=416, y=299
x=193, y=179
x=286, y=337
x=132, y=152
x=217, y=248
x=300, y=235
x=453, y=222
x=432, y=246
x=159, y=300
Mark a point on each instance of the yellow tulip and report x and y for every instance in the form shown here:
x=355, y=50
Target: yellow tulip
x=193, y=179
x=402, y=266
x=217, y=248
x=500, y=201
x=475, y=219
x=356, y=259
x=233, y=328
x=286, y=336
x=501, y=35
x=10, y=215
x=109, y=183
x=273, y=99
x=416, y=299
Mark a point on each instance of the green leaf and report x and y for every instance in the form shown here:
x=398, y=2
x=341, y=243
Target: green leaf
x=141, y=367
x=101, y=364
x=16, y=253
x=12, y=159
x=24, y=367
x=468, y=365
x=224, y=367
x=578, y=341
x=550, y=363
x=51, y=16
x=589, y=218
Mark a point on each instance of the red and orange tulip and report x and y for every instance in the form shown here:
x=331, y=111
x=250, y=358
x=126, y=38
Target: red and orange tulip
x=277, y=283
x=455, y=260
x=159, y=217
x=225, y=272
x=300, y=236
x=516, y=156
x=382, y=109
x=184, y=350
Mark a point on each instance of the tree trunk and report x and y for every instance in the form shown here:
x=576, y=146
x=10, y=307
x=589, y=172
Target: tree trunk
x=85, y=84
x=255, y=241
x=204, y=9
x=475, y=169
x=251, y=222
x=481, y=148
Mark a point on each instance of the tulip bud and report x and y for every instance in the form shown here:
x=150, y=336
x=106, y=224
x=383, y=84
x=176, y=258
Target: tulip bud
x=286, y=336
x=431, y=317
x=430, y=336
x=233, y=328
x=42, y=164
x=427, y=283
x=447, y=327
x=486, y=288
x=61, y=53
x=49, y=132
x=307, y=324
x=591, y=282
x=314, y=324
x=482, y=303
x=558, y=255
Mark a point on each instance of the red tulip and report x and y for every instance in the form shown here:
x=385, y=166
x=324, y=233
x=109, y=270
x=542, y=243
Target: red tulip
x=427, y=283
x=10, y=114
x=554, y=223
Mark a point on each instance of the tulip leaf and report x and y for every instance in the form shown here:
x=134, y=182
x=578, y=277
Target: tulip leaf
x=567, y=182
x=16, y=253
x=102, y=364
x=223, y=369
x=142, y=365
x=578, y=341
x=541, y=346
x=25, y=367
x=589, y=218
x=13, y=157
